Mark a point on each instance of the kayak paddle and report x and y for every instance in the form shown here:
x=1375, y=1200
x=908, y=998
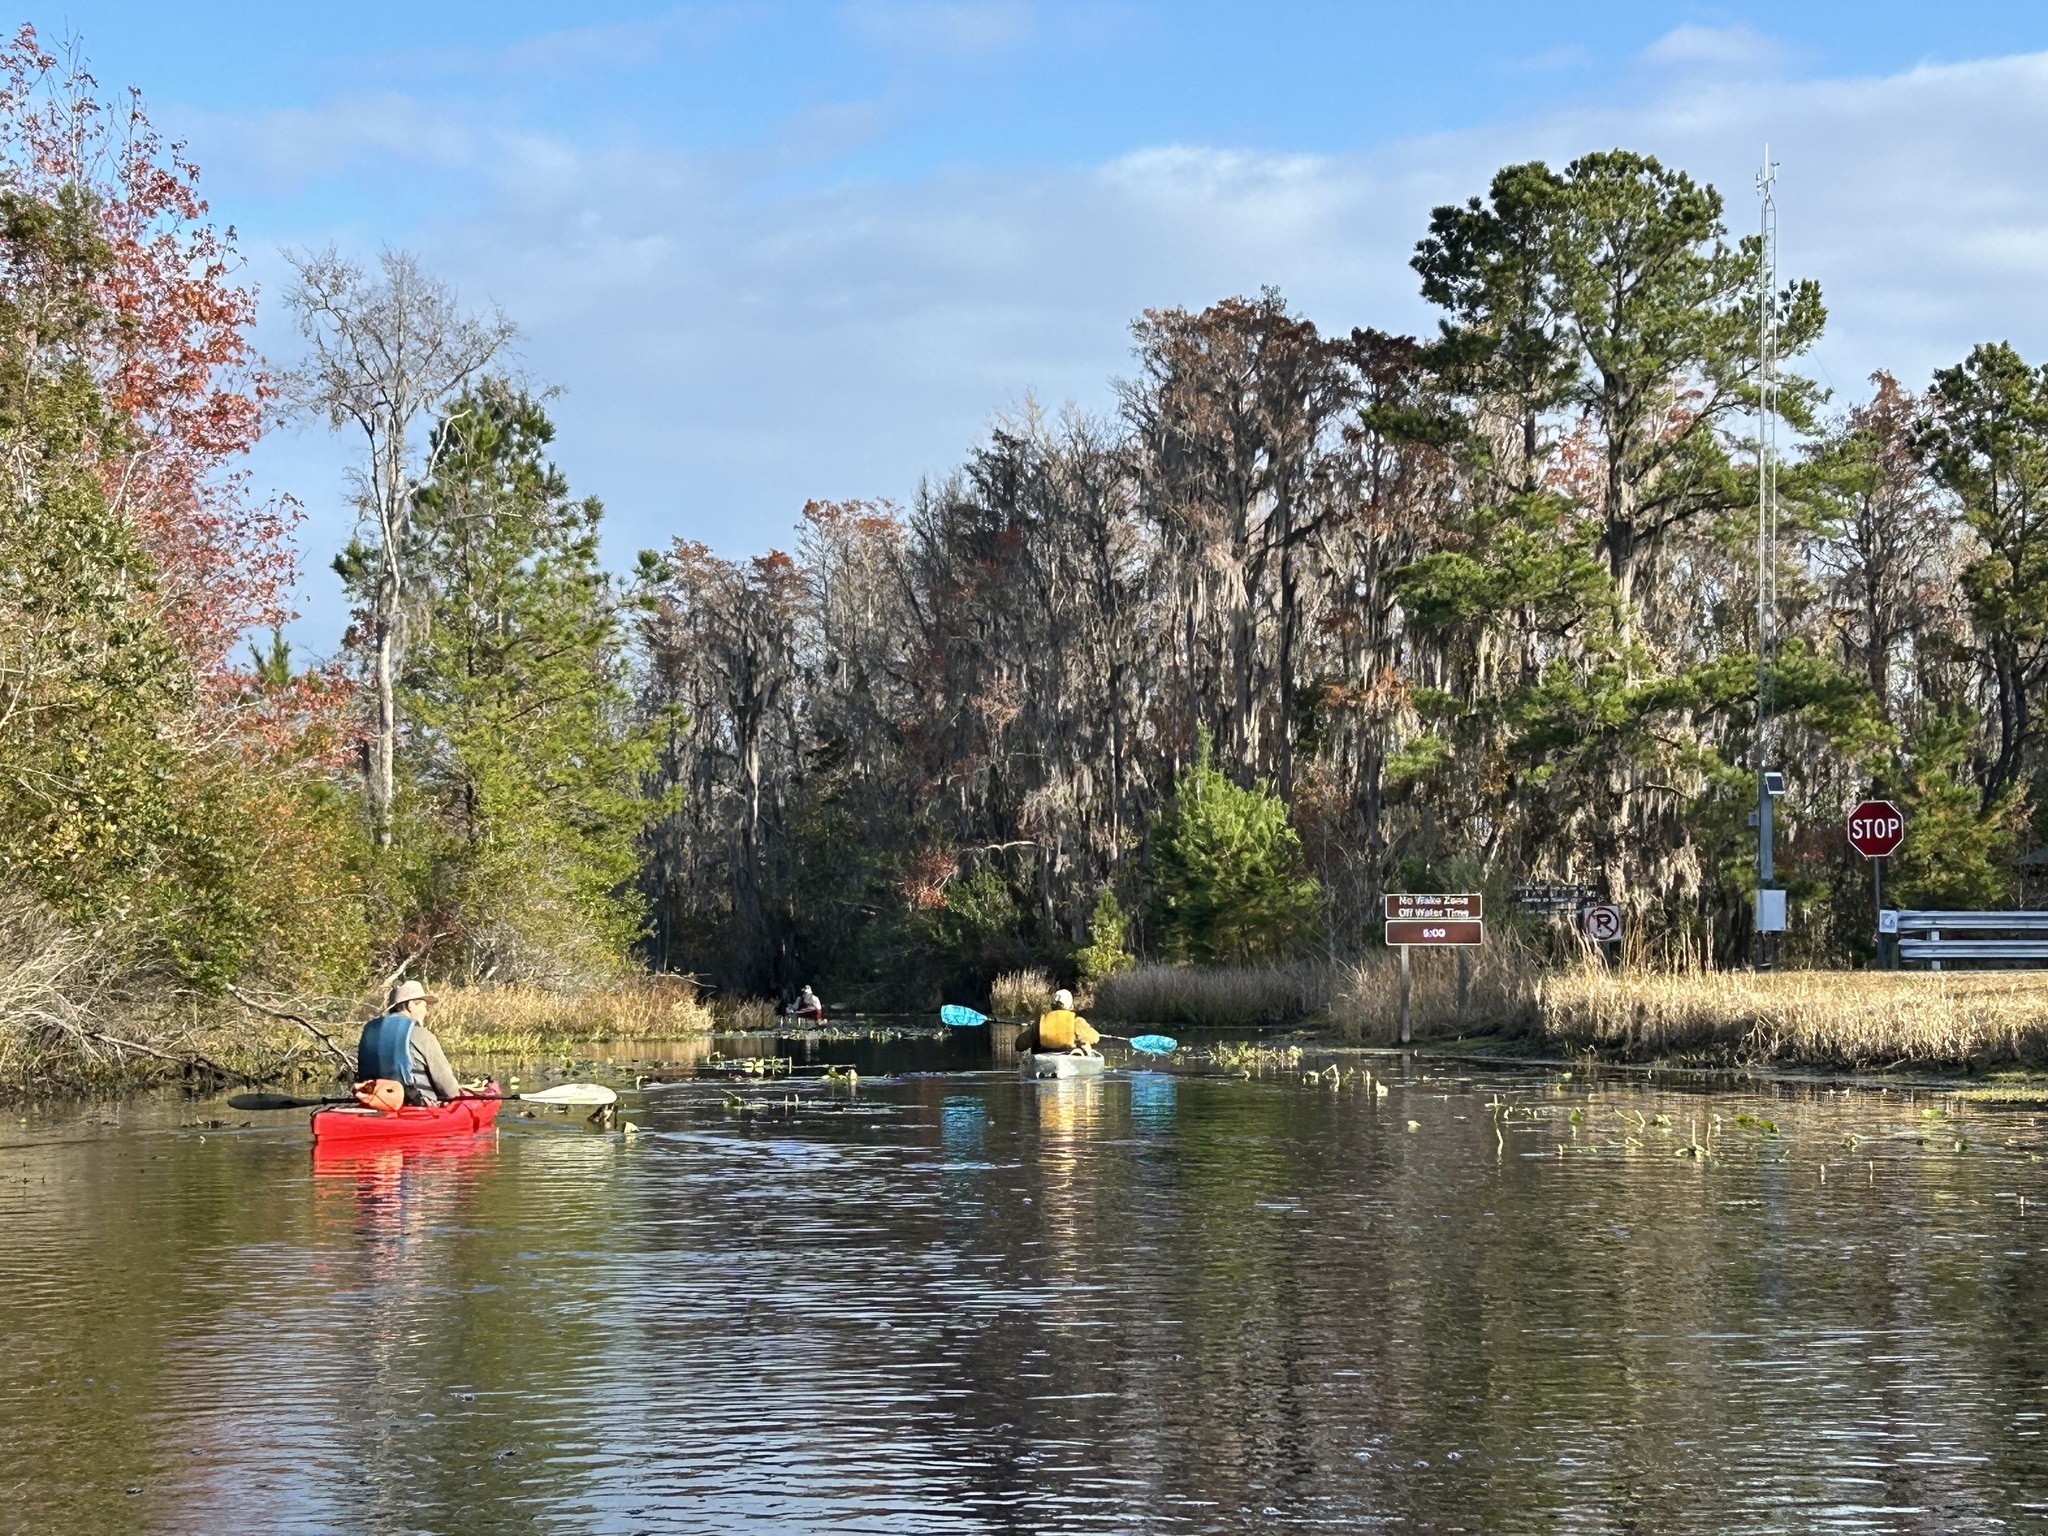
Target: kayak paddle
x=566, y=1094
x=967, y=1018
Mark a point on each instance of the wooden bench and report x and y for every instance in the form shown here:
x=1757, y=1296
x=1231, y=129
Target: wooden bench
x=1930, y=937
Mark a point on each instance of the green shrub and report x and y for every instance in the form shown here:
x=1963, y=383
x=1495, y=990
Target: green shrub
x=1105, y=953
x=1956, y=856
x=1229, y=883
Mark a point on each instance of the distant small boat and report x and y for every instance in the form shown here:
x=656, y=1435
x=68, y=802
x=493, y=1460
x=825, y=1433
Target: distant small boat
x=1080, y=1063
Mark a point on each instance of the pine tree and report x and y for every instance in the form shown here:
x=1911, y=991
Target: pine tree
x=521, y=801
x=1957, y=855
x=1229, y=883
x=1105, y=953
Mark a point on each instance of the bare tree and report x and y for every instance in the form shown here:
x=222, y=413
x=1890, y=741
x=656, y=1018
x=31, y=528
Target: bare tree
x=386, y=350
x=1887, y=550
x=1233, y=413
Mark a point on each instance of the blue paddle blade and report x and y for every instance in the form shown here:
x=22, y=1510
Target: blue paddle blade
x=961, y=1018
x=1154, y=1045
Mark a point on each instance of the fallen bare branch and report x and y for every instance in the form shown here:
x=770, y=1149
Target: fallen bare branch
x=340, y=1055
x=192, y=1061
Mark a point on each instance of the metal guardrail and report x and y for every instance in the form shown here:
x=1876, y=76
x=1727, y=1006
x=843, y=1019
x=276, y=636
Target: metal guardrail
x=1973, y=949
x=1904, y=922
x=1924, y=937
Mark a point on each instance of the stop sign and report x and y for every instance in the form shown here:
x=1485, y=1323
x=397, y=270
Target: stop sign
x=1876, y=828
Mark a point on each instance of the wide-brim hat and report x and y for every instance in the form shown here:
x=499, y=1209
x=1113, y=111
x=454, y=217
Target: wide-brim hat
x=410, y=992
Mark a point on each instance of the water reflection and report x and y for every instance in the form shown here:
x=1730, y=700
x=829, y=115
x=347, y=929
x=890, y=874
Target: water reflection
x=961, y=1118
x=1489, y=1301
x=1152, y=1102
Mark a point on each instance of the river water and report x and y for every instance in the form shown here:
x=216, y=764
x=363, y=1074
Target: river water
x=1487, y=1299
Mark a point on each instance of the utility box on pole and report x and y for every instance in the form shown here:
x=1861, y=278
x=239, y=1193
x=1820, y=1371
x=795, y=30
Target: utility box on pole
x=1770, y=911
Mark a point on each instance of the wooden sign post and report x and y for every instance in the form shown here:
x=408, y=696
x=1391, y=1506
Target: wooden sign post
x=1455, y=920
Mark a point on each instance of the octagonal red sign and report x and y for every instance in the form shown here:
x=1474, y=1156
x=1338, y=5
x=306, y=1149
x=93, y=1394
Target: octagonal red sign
x=1876, y=828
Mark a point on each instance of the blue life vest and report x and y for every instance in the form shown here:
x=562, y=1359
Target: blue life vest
x=385, y=1050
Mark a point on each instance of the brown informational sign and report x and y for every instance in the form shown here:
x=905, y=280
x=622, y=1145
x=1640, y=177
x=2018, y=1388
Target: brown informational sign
x=1429, y=930
x=1469, y=905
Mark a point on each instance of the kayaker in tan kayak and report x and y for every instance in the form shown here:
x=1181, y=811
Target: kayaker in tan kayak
x=398, y=1059
x=1059, y=1028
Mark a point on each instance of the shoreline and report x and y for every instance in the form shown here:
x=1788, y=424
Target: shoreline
x=1836, y=1026
x=1987, y=1081
x=2027, y=1084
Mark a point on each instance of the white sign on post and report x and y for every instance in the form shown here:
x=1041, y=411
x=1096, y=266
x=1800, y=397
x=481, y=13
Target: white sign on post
x=1603, y=924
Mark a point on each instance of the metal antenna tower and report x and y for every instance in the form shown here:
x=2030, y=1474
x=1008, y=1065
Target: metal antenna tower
x=1766, y=537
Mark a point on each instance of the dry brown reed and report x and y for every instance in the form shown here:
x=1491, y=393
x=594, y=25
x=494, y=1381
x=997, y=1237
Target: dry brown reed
x=73, y=1018
x=1860, y=1019
x=47, y=973
x=1021, y=994
x=745, y=1015
x=1217, y=997
x=1501, y=995
x=512, y=1020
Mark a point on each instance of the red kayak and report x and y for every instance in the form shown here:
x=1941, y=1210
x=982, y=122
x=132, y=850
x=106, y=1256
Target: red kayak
x=354, y=1126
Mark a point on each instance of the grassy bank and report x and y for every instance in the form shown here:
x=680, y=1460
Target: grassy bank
x=1360, y=998
x=527, y=1021
x=61, y=1035
x=63, y=1040
x=1219, y=997
x=1858, y=1019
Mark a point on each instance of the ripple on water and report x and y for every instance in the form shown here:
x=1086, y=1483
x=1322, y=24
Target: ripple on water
x=1142, y=1303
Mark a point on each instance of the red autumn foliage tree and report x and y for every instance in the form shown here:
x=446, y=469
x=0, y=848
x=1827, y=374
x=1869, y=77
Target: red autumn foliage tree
x=176, y=362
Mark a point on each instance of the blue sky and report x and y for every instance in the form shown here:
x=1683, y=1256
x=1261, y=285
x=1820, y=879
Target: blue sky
x=773, y=251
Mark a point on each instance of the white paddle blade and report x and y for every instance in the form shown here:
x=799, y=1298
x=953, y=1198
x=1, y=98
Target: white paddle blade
x=573, y=1093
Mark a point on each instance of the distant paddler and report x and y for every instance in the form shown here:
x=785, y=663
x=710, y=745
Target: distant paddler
x=807, y=1006
x=399, y=1061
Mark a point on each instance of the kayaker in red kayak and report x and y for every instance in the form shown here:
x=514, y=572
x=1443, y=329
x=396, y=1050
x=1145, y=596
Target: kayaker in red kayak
x=808, y=1007
x=399, y=1061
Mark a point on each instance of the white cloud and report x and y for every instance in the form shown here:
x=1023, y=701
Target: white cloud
x=1696, y=47
x=289, y=147
x=570, y=50
x=1565, y=57
x=727, y=354
x=942, y=26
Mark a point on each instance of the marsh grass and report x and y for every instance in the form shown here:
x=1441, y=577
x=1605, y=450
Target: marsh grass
x=1360, y=999
x=1218, y=997
x=1021, y=994
x=1860, y=1019
x=523, y=1021
x=1503, y=995
x=746, y=1015
x=1856, y=1019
